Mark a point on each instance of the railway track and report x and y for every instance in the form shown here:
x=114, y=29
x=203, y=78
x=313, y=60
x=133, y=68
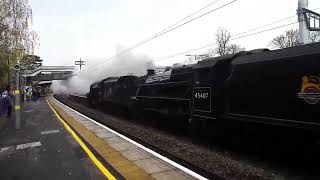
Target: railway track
x=213, y=162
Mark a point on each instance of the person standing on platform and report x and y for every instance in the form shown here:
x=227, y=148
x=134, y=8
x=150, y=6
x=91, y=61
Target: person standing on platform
x=7, y=102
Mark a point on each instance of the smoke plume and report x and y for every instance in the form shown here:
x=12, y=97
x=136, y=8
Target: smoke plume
x=134, y=64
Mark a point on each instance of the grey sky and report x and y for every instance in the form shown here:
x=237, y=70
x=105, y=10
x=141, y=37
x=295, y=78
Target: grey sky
x=95, y=29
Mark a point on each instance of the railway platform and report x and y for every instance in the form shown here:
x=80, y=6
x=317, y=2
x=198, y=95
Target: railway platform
x=57, y=142
x=42, y=148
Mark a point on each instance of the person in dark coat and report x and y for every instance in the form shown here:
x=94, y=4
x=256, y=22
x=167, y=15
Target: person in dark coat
x=7, y=103
x=3, y=109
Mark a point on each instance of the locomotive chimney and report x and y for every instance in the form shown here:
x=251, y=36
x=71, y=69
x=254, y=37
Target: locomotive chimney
x=150, y=72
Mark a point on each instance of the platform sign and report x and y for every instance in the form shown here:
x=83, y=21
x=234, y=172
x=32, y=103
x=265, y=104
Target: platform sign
x=202, y=99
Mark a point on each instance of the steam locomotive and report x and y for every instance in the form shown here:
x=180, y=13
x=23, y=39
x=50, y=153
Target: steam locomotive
x=274, y=87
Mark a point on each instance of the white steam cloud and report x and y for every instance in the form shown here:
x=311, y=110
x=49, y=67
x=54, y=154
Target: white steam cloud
x=134, y=64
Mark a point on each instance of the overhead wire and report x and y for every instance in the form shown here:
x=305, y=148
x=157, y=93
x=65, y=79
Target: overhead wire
x=245, y=32
x=275, y=22
x=170, y=26
x=173, y=27
x=168, y=29
x=212, y=44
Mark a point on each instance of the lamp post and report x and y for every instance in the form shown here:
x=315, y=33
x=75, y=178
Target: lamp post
x=17, y=106
x=17, y=96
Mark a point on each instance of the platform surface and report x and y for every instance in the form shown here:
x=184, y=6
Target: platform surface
x=42, y=148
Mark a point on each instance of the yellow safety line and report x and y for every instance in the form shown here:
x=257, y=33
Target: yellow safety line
x=84, y=147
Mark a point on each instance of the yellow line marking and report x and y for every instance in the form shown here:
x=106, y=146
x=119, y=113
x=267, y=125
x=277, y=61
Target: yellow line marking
x=84, y=147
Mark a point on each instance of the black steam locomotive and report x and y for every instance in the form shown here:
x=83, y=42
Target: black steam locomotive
x=279, y=87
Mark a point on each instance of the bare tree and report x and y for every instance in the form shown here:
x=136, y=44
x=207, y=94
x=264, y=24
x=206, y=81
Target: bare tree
x=288, y=39
x=235, y=48
x=223, y=38
x=291, y=38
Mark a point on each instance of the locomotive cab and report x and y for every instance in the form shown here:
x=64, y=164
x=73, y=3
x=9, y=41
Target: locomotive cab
x=209, y=91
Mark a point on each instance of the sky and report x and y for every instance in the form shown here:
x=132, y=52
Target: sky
x=97, y=29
